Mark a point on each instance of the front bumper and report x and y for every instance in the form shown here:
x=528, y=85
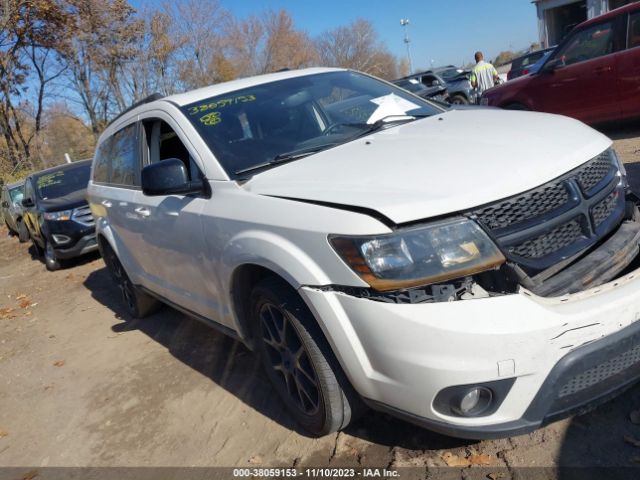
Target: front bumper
x=398, y=357
x=84, y=245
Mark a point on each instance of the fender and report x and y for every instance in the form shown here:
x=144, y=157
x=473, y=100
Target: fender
x=275, y=253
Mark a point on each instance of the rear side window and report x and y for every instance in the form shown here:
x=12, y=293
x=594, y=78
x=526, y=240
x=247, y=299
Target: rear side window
x=118, y=160
x=634, y=30
x=591, y=42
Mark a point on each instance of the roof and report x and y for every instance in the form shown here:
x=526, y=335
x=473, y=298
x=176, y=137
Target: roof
x=19, y=183
x=186, y=98
x=64, y=166
x=613, y=13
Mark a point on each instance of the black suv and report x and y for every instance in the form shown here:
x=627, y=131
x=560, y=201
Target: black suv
x=57, y=214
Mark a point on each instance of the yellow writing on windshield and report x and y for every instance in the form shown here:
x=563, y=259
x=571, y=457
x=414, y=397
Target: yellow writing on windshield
x=221, y=103
x=212, y=118
x=50, y=179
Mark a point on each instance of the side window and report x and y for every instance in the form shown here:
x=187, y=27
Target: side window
x=125, y=159
x=118, y=160
x=164, y=143
x=589, y=43
x=634, y=30
x=102, y=161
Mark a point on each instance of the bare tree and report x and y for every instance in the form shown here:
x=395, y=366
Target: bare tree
x=356, y=46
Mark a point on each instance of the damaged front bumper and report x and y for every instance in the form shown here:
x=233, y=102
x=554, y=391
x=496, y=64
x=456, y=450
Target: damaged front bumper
x=399, y=357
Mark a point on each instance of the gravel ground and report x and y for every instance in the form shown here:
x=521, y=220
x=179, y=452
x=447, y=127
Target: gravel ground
x=81, y=384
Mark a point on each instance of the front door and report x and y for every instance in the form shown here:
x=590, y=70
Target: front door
x=584, y=87
x=172, y=239
x=628, y=64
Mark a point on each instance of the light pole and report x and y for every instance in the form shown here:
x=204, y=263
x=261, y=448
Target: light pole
x=404, y=22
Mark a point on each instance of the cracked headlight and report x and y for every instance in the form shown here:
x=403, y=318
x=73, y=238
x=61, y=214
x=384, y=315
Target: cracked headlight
x=61, y=215
x=419, y=256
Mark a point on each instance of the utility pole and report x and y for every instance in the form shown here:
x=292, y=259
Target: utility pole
x=404, y=22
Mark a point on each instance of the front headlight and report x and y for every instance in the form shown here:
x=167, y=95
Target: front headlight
x=62, y=215
x=419, y=256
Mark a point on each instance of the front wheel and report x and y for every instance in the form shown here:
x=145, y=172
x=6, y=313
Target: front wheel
x=516, y=106
x=299, y=361
x=50, y=260
x=23, y=232
x=459, y=100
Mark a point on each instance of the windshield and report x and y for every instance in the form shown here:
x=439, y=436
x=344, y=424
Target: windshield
x=62, y=182
x=254, y=126
x=451, y=73
x=16, y=194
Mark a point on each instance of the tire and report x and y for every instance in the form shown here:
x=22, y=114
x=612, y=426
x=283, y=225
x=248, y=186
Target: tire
x=516, y=106
x=299, y=362
x=37, y=248
x=50, y=260
x=137, y=303
x=23, y=232
x=459, y=100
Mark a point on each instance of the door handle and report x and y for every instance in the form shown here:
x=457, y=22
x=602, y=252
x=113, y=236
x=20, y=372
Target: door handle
x=106, y=203
x=142, y=211
x=603, y=69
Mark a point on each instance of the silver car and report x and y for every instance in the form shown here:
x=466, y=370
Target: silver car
x=11, y=209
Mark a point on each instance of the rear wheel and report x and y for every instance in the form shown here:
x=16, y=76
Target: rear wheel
x=23, y=231
x=137, y=303
x=50, y=260
x=299, y=361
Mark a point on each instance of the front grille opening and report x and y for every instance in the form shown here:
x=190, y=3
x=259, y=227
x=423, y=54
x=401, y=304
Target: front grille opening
x=550, y=242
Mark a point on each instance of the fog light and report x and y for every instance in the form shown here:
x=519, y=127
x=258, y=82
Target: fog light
x=60, y=239
x=475, y=401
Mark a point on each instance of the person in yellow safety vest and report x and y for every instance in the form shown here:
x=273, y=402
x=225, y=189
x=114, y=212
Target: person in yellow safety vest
x=483, y=75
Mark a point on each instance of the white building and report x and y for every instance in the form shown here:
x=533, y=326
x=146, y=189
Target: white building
x=557, y=17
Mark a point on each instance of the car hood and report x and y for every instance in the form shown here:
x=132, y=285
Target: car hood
x=72, y=200
x=439, y=165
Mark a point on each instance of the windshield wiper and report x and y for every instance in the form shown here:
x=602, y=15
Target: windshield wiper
x=304, y=152
x=288, y=157
x=389, y=119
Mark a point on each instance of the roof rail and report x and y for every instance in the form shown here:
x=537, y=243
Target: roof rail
x=151, y=98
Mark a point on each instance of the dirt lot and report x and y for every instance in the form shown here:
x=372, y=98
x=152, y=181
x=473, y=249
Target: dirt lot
x=81, y=384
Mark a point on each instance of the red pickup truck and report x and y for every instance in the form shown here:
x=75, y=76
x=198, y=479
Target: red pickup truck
x=593, y=75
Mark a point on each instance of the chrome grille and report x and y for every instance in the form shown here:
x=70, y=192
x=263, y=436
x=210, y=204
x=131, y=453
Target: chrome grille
x=558, y=219
x=601, y=372
x=83, y=216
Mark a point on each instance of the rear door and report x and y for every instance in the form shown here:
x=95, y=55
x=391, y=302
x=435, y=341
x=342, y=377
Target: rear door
x=628, y=65
x=585, y=87
x=116, y=185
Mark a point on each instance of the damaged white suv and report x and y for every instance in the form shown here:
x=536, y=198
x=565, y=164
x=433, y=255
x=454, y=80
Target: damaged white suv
x=377, y=250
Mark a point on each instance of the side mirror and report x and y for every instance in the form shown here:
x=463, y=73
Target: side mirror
x=553, y=65
x=5, y=204
x=27, y=202
x=168, y=177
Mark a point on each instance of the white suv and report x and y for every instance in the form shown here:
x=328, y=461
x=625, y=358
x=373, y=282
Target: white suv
x=472, y=271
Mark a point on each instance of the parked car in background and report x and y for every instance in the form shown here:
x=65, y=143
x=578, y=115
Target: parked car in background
x=459, y=86
x=436, y=92
x=375, y=249
x=523, y=65
x=57, y=214
x=593, y=75
x=453, y=91
x=11, y=208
